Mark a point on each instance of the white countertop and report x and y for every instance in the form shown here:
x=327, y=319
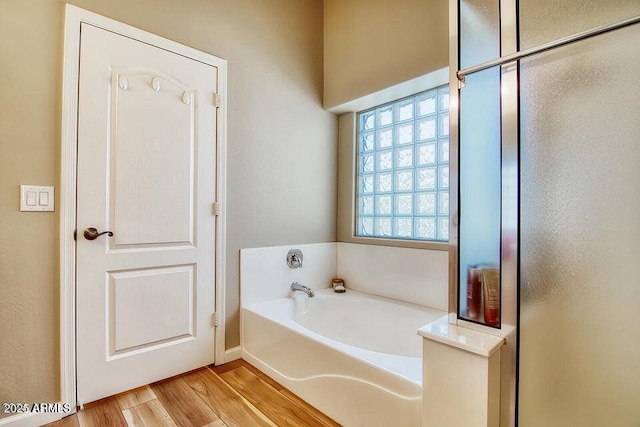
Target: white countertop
x=463, y=338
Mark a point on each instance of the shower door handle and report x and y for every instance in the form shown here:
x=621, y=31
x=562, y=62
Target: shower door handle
x=92, y=234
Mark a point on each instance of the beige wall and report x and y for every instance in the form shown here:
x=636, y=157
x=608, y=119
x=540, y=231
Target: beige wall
x=370, y=45
x=281, y=150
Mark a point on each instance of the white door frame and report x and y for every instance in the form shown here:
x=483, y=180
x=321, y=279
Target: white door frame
x=74, y=16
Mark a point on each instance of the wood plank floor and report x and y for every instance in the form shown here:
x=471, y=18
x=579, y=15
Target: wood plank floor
x=233, y=395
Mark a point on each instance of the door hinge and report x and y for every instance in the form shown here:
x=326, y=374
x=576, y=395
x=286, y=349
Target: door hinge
x=215, y=209
x=75, y=235
x=217, y=100
x=214, y=319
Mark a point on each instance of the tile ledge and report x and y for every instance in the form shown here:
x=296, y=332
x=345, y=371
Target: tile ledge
x=463, y=338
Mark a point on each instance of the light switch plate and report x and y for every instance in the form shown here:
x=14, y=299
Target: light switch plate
x=36, y=198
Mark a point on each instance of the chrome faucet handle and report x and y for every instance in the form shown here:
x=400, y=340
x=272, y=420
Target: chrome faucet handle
x=294, y=258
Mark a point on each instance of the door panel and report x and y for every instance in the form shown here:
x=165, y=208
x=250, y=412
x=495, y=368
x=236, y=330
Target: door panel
x=580, y=181
x=141, y=121
x=166, y=315
x=146, y=172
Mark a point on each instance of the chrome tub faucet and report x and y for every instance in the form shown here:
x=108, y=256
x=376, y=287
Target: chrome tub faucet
x=295, y=286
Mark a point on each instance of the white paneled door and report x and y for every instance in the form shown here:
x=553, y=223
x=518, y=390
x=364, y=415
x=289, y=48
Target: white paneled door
x=146, y=173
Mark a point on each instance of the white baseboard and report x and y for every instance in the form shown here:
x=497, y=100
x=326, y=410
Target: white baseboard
x=232, y=354
x=31, y=419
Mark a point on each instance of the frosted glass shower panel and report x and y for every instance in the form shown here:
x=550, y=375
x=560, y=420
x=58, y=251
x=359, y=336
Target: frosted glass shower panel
x=543, y=22
x=479, y=227
x=580, y=233
x=479, y=31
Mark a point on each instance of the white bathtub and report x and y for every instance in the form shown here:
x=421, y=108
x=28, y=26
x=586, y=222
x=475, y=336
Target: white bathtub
x=356, y=357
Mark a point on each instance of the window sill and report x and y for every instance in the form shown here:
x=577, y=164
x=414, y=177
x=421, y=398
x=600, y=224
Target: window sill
x=412, y=244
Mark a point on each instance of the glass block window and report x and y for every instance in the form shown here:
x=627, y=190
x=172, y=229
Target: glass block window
x=403, y=168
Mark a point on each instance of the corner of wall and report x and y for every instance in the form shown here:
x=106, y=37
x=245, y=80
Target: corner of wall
x=418, y=276
x=411, y=44
x=265, y=276
x=346, y=176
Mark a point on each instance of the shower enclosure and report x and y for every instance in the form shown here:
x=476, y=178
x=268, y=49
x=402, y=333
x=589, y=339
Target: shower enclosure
x=547, y=125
